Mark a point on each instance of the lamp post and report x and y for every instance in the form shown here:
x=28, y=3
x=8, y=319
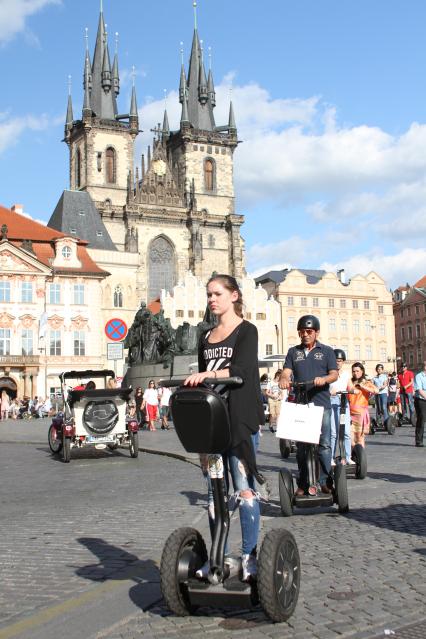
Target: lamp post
x=43, y=365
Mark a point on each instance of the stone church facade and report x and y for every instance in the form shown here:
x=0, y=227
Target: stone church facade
x=176, y=210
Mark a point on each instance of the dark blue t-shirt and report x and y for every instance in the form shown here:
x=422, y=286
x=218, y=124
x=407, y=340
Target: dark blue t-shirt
x=317, y=363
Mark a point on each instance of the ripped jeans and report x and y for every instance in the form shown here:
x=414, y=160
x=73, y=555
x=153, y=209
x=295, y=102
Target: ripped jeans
x=249, y=507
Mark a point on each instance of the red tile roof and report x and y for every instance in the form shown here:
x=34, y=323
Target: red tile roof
x=421, y=283
x=20, y=227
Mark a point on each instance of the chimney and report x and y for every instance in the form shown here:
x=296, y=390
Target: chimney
x=341, y=275
x=17, y=208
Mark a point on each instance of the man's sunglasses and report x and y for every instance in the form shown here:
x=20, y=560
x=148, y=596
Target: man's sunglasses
x=308, y=331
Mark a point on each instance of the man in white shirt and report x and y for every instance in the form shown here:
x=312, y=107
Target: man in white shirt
x=343, y=383
x=381, y=381
x=164, y=395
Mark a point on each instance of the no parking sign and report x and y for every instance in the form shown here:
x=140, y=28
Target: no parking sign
x=116, y=329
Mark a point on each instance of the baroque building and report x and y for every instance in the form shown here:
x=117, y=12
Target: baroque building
x=355, y=315
x=175, y=211
x=409, y=310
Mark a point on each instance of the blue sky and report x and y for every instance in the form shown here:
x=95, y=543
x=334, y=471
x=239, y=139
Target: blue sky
x=330, y=102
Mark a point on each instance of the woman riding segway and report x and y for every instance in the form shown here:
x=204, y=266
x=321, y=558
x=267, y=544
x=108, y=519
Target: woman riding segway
x=226, y=353
x=360, y=417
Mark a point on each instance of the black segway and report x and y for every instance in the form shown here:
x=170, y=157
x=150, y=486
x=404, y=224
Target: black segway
x=381, y=425
x=313, y=499
x=201, y=420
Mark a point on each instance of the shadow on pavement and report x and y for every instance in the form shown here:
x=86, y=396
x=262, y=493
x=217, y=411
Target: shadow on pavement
x=118, y=564
x=389, y=442
x=394, y=478
x=194, y=498
x=404, y=518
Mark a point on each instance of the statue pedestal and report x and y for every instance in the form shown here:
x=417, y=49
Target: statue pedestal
x=140, y=374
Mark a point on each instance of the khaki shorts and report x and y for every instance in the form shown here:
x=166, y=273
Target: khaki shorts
x=274, y=408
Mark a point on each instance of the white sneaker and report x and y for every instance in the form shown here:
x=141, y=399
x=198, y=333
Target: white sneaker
x=249, y=566
x=202, y=573
x=351, y=462
x=333, y=463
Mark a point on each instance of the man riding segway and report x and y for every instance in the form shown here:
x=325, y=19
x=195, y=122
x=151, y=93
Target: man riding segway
x=311, y=360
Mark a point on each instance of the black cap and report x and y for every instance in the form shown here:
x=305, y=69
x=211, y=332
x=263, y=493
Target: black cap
x=340, y=354
x=308, y=321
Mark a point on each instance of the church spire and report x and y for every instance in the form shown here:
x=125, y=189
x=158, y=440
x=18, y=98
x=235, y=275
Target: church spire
x=134, y=117
x=115, y=73
x=202, y=82
x=70, y=116
x=102, y=99
x=232, y=127
x=166, y=126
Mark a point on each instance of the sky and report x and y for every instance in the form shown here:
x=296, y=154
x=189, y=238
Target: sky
x=329, y=99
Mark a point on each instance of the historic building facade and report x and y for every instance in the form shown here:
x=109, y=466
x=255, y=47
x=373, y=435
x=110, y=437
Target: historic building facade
x=50, y=306
x=410, y=323
x=176, y=211
x=355, y=316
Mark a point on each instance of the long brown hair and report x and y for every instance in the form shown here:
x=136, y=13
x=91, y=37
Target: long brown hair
x=231, y=284
x=362, y=367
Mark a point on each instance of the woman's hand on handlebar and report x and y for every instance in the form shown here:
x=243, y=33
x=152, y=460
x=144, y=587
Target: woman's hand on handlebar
x=198, y=378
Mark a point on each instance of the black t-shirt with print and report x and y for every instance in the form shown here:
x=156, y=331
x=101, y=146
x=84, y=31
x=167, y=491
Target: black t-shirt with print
x=218, y=355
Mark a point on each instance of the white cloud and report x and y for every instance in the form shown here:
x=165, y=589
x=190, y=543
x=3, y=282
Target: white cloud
x=11, y=129
x=13, y=16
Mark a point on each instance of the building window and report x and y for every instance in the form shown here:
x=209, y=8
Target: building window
x=27, y=292
x=261, y=316
x=417, y=330
x=417, y=309
x=303, y=301
x=366, y=305
x=331, y=324
x=368, y=352
x=342, y=303
x=383, y=354
x=354, y=303
x=201, y=314
x=367, y=326
x=401, y=312
x=212, y=241
x=411, y=359
x=78, y=169
x=79, y=343
x=291, y=323
x=380, y=309
x=419, y=356
x=78, y=293
x=190, y=313
x=290, y=301
x=330, y=302
x=345, y=349
x=27, y=342
x=382, y=330
x=208, y=174
x=162, y=267
x=403, y=333
x=179, y=313
x=248, y=315
x=315, y=302
x=66, y=252
x=268, y=349
x=55, y=347
x=356, y=326
x=410, y=332
x=357, y=351
x=111, y=170
x=344, y=325
x=55, y=293
x=4, y=341
x=409, y=311
x=4, y=291
x=118, y=297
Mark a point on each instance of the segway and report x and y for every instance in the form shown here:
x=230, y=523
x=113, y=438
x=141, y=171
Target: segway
x=201, y=420
x=381, y=425
x=287, y=446
x=313, y=499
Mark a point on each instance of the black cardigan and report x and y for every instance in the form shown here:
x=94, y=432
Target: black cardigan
x=245, y=402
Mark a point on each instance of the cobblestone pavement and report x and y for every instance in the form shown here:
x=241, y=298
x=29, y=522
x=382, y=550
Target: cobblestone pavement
x=69, y=529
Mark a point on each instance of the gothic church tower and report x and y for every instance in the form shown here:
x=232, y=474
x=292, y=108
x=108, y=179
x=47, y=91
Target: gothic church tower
x=177, y=208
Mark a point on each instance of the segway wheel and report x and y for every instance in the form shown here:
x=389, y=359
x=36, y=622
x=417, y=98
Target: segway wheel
x=285, y=448
x=373, y=427
x=278, y=575
x=341, y=488
x=360, y=457
x=391, y=425
x=184, y=552
x=286, y=490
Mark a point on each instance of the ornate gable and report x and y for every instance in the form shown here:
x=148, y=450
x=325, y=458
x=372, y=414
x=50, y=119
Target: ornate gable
x=16, y=262
x=6, y=320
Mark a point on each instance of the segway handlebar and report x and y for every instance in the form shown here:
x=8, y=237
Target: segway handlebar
x=301, y=384
x=223, y=381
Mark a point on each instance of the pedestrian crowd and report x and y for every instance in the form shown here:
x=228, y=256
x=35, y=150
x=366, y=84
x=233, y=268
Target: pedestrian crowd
x=24, y=408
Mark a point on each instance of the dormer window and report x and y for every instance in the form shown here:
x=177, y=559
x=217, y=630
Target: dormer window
x=66, y=252
x=99, y=233
x=73, y=231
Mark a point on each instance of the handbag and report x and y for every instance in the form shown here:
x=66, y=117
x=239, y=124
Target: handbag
x=300, y=422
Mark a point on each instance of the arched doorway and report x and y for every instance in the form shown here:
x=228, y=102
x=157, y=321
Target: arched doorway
x=161, y=267
x=8, y=384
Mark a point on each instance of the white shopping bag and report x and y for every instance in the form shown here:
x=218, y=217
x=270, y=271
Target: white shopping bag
x=300, y=422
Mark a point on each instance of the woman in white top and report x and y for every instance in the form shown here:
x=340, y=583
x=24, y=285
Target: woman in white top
x=150, y=402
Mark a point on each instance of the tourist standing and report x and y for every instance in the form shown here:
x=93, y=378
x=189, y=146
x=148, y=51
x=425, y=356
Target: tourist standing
x=150, y=403
x=164, y=395
x=5, y=404
x=381, y=382
x=406, y=389
x=420, y=403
